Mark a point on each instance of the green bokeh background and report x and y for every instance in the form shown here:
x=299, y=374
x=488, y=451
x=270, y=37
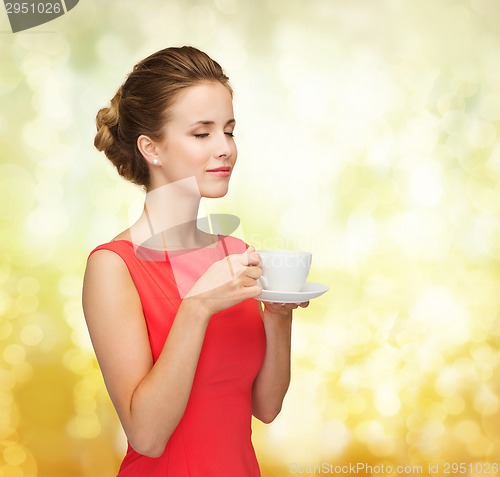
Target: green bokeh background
x=368, y=133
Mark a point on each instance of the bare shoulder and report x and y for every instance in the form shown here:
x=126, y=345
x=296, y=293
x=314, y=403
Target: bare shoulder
x=107, y=283
x=105, y=259
x=103, y=266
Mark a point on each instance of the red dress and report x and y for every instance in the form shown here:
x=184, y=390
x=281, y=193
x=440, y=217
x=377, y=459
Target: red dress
x=213, y=438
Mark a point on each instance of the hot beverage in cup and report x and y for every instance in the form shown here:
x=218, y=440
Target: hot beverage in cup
x=284, y=270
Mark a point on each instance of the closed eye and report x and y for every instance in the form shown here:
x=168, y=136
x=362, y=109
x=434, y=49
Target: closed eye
x=202, y=135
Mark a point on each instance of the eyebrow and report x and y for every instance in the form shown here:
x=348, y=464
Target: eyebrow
x=209, y=123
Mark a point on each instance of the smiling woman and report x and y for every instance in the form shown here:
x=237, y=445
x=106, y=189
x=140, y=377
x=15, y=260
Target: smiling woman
x=143, y=105
x=187, y=354
x=202, y=149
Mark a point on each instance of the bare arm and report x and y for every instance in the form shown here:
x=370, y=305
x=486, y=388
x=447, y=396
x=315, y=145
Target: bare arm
x=271, y=384
x=150, y=399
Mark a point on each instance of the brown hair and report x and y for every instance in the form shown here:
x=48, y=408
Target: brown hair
x=141, y=105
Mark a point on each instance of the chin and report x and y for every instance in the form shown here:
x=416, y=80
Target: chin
x=214, y=195
x=214, y=192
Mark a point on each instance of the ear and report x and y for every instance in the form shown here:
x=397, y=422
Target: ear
x=147, y=148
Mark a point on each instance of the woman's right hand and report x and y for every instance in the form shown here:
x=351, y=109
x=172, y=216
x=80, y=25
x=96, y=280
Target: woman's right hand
x=228, y=281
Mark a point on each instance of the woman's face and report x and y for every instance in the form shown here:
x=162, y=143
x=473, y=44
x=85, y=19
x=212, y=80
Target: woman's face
x=198, y=140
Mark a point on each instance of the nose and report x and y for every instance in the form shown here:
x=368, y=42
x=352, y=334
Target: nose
x=225, y=146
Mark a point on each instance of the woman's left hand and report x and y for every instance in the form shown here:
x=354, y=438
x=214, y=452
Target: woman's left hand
x=283, y=308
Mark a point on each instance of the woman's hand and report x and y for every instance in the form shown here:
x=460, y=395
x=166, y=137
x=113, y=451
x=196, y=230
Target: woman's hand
x=283, y=308
x=228, y=281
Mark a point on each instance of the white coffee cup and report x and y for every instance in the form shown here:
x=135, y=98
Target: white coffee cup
x=284, y=270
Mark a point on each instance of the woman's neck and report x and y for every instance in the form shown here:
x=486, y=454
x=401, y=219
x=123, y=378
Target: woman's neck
x=169, y=219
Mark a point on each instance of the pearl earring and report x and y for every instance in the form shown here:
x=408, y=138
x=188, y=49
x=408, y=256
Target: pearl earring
x=156, y=162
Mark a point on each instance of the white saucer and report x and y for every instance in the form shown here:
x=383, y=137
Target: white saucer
x=309, y=291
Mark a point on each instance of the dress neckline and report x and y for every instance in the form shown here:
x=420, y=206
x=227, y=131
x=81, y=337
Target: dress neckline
x=215, y=246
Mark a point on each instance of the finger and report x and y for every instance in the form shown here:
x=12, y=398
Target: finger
x=254, y=260
x=243, y=256
x=252, y=291
x=247, y=281
x=278, y=305
x=253, y=272
x=252, y=256
x=279, y=308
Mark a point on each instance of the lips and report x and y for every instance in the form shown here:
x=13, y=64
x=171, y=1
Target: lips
x=223, y=171
x=220, y=169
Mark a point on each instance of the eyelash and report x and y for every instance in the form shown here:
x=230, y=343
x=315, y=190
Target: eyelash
x=200, y=136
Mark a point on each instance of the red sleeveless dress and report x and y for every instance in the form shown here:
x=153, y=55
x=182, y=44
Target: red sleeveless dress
x=213, y=438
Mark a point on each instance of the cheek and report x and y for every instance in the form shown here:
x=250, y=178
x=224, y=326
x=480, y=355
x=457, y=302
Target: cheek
x=192, y=154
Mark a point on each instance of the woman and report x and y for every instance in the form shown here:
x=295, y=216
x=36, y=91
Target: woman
x=187, y=354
